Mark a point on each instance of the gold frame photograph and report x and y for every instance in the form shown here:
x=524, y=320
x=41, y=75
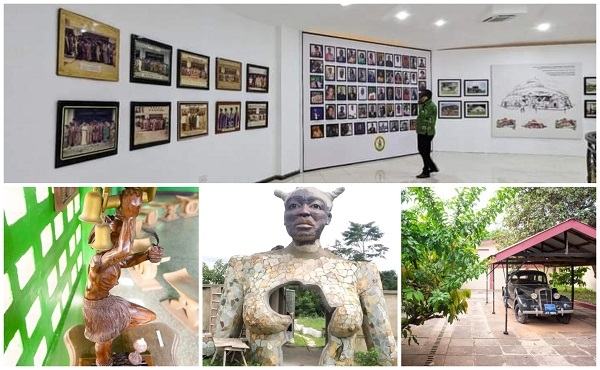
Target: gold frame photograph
x=75, y=59
x=228, y=75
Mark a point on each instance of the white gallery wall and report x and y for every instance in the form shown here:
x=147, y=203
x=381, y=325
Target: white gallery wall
x=32, y=89
x=475, y=134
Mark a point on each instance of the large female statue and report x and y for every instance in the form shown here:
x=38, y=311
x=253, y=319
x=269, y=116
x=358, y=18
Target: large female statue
x=351, y=291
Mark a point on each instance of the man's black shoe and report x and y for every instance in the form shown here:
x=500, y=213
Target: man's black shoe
x=422, y=175
x=434, y=170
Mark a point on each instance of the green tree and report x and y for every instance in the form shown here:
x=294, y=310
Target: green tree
x=389, y=279
x=536, y=209
x=563, y=276
x=359, y=243
x=439, y=241
x=216, y=275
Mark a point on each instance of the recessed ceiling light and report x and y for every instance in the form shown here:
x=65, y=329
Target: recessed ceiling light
x=440, y=23
x=402, y=15
x=543, y=27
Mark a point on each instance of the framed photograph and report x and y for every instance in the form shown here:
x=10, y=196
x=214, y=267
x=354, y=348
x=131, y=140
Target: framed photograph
x=192, y=70
x=73, y=61
x=192, y=119
x=86, y=130
x=590, y=109
x=316, y=51
x=257, y=114
x=448, y=88
x=150, y=124
x=317, y=131
x=317, y=113
x=449, y=109
x=63, y=196
x=477, y=87
x=359, y=128
x=477, y=109
x=229, y=75
x=228, y=116
x=589, y=85
x=150, y=61
x=258, y=78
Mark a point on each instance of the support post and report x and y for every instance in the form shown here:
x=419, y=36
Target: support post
x=506, y=306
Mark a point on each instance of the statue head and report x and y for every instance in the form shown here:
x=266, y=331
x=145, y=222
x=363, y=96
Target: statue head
x=307, y=212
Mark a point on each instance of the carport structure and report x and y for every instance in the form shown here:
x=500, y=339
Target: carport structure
x=568, y=244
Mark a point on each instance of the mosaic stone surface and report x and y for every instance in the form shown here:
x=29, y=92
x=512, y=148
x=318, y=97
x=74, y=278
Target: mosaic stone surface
x=352, y=291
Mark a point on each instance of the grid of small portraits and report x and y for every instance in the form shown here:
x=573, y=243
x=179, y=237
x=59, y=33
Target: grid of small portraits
x=361, y=91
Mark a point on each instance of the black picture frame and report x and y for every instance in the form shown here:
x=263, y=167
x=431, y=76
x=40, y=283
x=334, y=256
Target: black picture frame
x=146, y=129
x=257, y=114
x=196, y=119
x=226, y=119
x=143, y=69
x=449, y=109
x=257, y=78
x=449, y=88
x=193, y=70
x=590, y=108
x=476, y=109
x=589, y=86
x=74, y=141
x=476, y=87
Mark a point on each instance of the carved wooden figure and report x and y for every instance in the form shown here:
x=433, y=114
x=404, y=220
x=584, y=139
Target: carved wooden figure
x=105, y=315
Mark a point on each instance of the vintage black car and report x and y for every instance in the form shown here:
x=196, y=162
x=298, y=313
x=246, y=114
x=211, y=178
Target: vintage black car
x=528, y=293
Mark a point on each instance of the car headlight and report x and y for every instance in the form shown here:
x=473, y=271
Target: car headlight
x=533, y=296
x=556, y=296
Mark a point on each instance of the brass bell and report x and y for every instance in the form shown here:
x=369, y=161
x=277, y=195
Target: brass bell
x=102, y=240
x=92, y=207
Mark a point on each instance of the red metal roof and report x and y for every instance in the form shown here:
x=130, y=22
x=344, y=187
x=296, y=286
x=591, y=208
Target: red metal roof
x=570, y=243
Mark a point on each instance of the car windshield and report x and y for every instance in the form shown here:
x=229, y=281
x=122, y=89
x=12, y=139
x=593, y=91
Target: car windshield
x=529, y=278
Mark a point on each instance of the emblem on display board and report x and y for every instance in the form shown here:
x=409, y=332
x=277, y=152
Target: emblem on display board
x=379, y=143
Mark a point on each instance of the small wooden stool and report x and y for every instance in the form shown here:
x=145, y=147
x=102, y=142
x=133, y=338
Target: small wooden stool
x=186, y=307
x=234, y=345
x=189, y=206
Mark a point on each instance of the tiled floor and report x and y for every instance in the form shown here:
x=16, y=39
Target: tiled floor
x=456, y=168
x=179, y=238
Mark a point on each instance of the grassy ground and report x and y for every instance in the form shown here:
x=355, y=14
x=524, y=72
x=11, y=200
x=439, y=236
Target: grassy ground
x=317, y=323
x=581, y=294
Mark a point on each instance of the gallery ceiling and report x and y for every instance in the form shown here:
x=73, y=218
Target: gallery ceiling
x=464, y=28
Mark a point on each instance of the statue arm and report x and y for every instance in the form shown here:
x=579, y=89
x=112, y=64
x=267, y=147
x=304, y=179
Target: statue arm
x=124, y=243
x=376, y=324
x=229, y=319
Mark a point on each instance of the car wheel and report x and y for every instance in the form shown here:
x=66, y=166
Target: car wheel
x=519, y=315
x=564, y=319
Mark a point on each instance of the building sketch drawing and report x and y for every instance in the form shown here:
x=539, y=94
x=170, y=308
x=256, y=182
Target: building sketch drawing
x=534, y=95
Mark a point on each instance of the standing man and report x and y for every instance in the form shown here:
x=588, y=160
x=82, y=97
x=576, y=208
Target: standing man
x=425, y=132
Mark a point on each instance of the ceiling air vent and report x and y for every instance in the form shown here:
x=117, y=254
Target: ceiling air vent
x=499, y=18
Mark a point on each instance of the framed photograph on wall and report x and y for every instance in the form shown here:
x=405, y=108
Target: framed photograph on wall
x=229, y=74
x=192, y=119
x=258, y=78
x=477, y=109
x=150, y=124
x=477, y=87
x=589, y=85
x=228, y=116
x=590, y=109
x=63, y=196
x=150, y=61
x=448, y=88
x=74, y=61
x=86, y=130
x=192, y=70
x=257, y=114
x=449, y=109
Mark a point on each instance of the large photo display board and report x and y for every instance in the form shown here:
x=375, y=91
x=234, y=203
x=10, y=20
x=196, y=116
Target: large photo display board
x=358, y=95
x=537, y=101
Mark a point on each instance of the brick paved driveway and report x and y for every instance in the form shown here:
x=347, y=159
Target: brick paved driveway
x=477, y=339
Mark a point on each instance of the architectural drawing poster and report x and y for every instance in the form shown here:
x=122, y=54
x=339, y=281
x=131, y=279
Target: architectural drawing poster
x=537, y=101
